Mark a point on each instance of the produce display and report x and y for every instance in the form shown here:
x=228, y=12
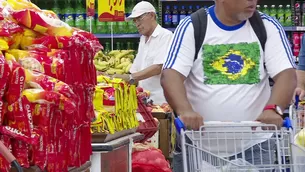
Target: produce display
x=47, y=84
x=115, y=105
x=147, y=158
x=114, y=62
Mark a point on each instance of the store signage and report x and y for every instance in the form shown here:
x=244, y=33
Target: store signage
x=111, y=10
x=90, y=4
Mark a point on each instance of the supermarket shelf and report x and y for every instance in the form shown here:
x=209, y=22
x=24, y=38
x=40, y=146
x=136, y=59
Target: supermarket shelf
x=293, y=28
x=118, y=35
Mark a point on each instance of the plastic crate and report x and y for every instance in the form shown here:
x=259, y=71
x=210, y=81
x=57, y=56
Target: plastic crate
x=150, y=126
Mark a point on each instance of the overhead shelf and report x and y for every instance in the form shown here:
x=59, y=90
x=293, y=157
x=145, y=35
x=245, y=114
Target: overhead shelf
x=292, y=28
x=126, y=35
x=118, y=35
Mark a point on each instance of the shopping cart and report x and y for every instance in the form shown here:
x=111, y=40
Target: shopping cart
x=242, y=147
x=9, y=157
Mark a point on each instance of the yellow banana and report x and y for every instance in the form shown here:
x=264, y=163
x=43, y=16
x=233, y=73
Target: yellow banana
x=102, y=63
x=127, y=69
x=122, y=65
x=114, y=52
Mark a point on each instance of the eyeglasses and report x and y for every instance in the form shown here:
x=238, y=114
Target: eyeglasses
x=140, y=18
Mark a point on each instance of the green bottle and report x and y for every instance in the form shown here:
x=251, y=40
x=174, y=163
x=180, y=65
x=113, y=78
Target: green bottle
x=121, y=26
x=69, y=13
x=107, y=48
x=281, y=15
x=87, y=24
x=57, y=10
x=273, y=12
x=129, y=46
x=288, y=14
x=80, y=15
x=118, y=46
x=266, y=10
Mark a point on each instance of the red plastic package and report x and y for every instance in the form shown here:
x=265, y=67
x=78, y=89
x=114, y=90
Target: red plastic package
x=39, y=61
x=150, y=159
x=4, y=74
x=21, y=152
x=20, y=116
x=10, y=34
x=39, y=80
x=39, y=151
x=43, y=22
x=4, y=164
x=64, y=55
x=15, y=86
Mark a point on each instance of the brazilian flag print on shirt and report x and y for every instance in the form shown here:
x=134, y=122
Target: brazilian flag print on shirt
x=231, y=64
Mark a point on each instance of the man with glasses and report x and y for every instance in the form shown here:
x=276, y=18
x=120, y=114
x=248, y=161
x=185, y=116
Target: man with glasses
x=153, y=45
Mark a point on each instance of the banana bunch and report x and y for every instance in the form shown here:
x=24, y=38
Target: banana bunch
x=115, y=62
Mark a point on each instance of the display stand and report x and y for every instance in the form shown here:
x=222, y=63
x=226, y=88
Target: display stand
x=114, y=155
x=165, y=129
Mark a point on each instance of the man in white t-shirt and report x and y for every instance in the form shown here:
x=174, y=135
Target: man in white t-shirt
x=228, y=80
x=154, y=42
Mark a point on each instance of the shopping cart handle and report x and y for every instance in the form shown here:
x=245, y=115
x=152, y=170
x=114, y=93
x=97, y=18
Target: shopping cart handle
x=17, y=166
x=297, y=100
x=287, y=123
x=179, y=125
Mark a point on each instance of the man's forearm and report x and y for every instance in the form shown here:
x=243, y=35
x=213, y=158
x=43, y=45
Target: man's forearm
x=301, y=79
x=148, y=72
x=174, y=91
x=283, y=89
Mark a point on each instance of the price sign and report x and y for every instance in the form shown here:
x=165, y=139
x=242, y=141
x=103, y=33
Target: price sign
x=111, y=10
x=90, y=4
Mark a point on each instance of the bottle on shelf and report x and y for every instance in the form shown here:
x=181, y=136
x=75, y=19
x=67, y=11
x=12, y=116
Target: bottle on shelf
x=56, y=9
x=121, y=27
x=107, y=48
x=182, y=13
x=288, y=16
x=175, y=17
x=266, y=10
x=69, y=13
x=80, y=15
x=258, y=7
x=273, y=12
x=190, y=10
x=118, y=46
x=281, y=14
x=298, y=13
x=167, y=17
x=197, y=7
x=129, y=46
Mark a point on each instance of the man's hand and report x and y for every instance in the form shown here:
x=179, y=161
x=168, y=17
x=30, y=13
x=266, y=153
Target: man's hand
x=191, y=120
x=125, y=77
x=271, y=117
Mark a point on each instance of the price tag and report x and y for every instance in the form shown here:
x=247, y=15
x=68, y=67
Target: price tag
x=90, y=4
x=111, y=10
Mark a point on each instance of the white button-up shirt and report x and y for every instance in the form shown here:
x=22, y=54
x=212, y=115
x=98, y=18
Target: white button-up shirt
x=150, y=53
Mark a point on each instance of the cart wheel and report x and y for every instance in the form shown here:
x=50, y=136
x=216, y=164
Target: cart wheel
x=17, y=166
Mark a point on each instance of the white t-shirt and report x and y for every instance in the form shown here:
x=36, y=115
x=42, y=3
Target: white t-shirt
x=228, y=81
x=150, y=53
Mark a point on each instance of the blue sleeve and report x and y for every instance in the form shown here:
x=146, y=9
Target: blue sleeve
x=301, y=65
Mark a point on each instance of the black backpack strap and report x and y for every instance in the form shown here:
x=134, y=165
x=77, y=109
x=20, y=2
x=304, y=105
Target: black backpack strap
x=200, y=21
x=259, y=28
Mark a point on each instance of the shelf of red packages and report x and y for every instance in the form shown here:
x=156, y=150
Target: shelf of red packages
x=105, y=155
x=47, y=89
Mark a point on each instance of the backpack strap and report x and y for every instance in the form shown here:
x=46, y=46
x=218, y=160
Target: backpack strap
x=199, y=21
x=259, y=28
